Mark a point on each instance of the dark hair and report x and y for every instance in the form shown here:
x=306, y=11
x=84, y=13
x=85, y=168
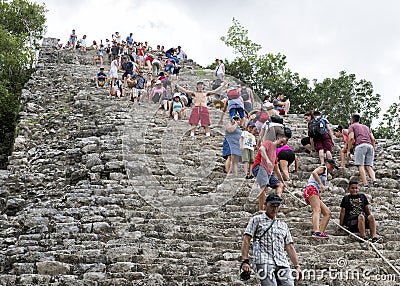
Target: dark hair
x=353, y=183
x=309, y=113
x=355, y=118
x=339, y=128
x=317, y=113
x=279, y=93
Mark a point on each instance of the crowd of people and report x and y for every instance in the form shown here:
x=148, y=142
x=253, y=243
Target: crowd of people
x=255, y=135
x=269, y=240
x=147, y=74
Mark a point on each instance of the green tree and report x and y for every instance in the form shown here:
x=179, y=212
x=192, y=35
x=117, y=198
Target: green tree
x=266, y=74
x=337, y=98
x=22, y=25
x=24, y=19
x=389, y=127
x=238, y=40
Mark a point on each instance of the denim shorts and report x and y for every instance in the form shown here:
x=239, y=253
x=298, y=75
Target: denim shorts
x=263, y=178
x=364, y=155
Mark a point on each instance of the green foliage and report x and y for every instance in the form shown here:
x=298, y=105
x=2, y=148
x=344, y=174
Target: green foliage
x=337, y=98
x=23, y=19
x=389, y=127
x=21, y=26
x=340, y=98
x=238, y=40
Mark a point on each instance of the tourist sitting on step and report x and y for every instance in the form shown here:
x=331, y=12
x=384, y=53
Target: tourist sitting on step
x=165, y=99
x=177, y=107
x=100, y=78
x=355, y=213
x=247, y=144
x=340, y=132
x=265, y=164
x=312, y=195
x=180, y=54
x=286, y=157
x=200, y=111
x=138, y=91
x=281, y=106
x=270, y=238
x=82, y=43
x=116, y=88
x=157, y=91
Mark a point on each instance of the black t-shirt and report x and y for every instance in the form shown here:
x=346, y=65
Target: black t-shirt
x=127, y=67
x=114, y=50
x=354, y=205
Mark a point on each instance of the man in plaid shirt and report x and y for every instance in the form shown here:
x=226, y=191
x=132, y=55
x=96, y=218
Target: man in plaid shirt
x=271, y=237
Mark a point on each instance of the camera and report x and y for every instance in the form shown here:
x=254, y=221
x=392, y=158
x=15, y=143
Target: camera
x=244, y=275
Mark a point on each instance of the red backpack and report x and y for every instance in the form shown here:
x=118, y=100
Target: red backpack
x=233, y=94
x=262, y=116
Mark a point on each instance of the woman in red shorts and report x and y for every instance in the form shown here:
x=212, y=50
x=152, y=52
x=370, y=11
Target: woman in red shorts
x=312, y=195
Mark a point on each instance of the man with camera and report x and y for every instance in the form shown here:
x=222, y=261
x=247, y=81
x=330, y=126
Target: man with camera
x=271, y=237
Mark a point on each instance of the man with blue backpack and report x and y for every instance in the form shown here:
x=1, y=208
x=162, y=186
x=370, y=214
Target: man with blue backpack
x=321, y=135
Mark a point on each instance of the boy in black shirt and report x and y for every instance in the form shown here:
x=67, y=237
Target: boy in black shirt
x=355, y=213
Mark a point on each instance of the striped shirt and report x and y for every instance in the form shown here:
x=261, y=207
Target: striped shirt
x=270, y=248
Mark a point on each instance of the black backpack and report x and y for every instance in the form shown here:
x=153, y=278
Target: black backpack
x=316, y=128
x=244, y=94
x=287, y=132
x=216, y=83
x=276, y=119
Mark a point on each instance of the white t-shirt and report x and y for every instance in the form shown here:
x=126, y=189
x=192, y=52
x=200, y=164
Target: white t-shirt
x=249, y=140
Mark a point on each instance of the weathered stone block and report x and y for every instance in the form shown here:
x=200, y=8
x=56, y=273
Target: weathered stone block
x=53, y=268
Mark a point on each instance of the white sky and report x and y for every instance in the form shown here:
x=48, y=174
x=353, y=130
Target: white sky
x=319, y=38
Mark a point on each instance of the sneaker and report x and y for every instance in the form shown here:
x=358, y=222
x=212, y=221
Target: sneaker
x=140, y=104
x=364, y=244
x=375, y=184
x=375, y=239
x=318, y=234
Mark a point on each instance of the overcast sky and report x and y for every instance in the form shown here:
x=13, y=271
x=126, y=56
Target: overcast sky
x=319, y=38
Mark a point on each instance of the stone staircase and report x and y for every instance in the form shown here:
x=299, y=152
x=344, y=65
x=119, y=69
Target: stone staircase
x=98, y=193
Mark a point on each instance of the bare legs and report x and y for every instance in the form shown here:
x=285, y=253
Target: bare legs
x=361, y=226
x=363, y=176
x=318, y=208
